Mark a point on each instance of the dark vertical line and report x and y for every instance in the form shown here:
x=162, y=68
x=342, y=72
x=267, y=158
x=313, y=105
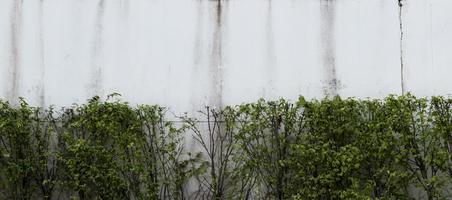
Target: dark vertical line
x=97, y=73
x=16, y=33
x=216, y=61
x=41, y=92
x=432, y=51
x=270, y=48
x=402, y=77
x=198, y=34
x=328, y=14
x=198, y=52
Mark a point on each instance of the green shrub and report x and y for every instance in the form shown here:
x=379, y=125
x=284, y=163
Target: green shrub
x=27, y=162
x=309, y=149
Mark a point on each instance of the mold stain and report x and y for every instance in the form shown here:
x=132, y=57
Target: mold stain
x=327, y=29
x=402, y=69
x=216, y=57
x=14, y=58
x=198, y=35
x=197, y=56
x=270, y=52
x=97, y=51
x=41, y=87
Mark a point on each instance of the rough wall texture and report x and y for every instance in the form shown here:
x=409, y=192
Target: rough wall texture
x=190, y=53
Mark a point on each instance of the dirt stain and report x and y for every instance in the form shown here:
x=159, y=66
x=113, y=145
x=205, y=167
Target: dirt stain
x=97, y=51
x=327, y=29
x=15, y=47
x=402, y=69
x=216, y=56
x=198, y=34
x=198, y=52
x=270, y=51
x=41, y=49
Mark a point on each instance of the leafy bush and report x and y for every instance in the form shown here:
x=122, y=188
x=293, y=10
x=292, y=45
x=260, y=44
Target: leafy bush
x=27, y=162
x=335, y=148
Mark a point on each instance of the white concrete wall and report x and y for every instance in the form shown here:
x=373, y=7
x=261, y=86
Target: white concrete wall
x=190, y=53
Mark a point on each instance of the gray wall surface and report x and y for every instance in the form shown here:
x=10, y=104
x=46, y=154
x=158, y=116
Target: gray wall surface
x=189, y=53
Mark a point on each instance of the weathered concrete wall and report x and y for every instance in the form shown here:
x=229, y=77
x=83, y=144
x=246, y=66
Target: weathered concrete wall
x=190, y=53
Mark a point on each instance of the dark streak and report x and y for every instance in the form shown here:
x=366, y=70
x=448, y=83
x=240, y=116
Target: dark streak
x=402, y=77
x=197, y=53
x=270, y=49
x=432, y=60
x=198, y=34
x=41, y=92
x=328, y=14
x=16, y=33
x=219, y=10
x=97, y=50
x=216, y=60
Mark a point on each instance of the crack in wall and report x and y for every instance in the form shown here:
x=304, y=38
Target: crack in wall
x=327, y=29
x=216, y=57
x=15, y=45
x=97, y=51
x=41, y=92
x=402, y=76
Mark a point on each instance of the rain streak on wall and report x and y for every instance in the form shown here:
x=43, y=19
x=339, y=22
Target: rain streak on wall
x=189, y=53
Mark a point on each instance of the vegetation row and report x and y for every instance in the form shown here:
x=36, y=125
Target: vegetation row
x=399, y=147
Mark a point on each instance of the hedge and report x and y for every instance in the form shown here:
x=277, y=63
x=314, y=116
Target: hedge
x=395, y=148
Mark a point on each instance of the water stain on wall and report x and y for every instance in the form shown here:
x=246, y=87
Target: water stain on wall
x=15, y=51
x=216, y=56
x=327, y=30
x=197, y=57
x=402, y=76
x=97, y=50
x=41, y=86
x=270, y=52
x=432, y=50
x=198, y=34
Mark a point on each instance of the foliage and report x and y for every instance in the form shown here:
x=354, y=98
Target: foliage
x=334, y=148
x=27, y=163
